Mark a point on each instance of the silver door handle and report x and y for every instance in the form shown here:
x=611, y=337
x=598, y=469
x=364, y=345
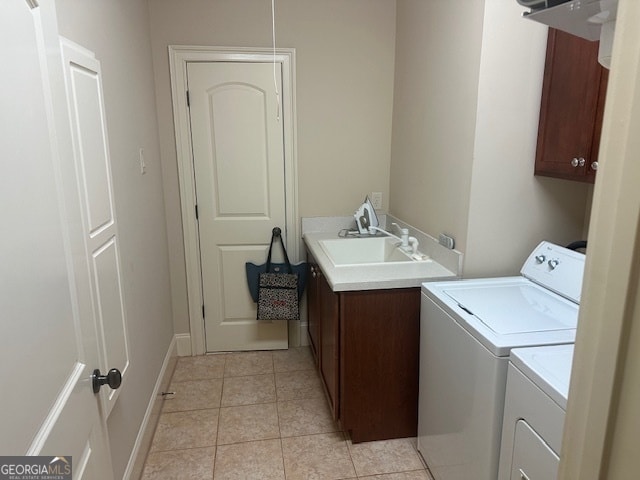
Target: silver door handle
x=523, y=476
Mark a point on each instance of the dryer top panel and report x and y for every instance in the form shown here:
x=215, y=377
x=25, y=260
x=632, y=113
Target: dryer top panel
x=548, y=367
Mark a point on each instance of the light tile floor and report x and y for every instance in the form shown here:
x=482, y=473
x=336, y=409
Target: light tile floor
x=263, y=415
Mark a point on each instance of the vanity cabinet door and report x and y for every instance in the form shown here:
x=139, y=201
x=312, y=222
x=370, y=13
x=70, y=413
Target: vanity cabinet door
x=379, y=361
x=323, y=327
x=313, y=308
x=329, y=342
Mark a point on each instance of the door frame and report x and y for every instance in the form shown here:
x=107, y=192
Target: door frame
x=179, y=56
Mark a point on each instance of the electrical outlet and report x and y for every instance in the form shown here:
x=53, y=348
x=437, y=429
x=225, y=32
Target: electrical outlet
x=376, y=200
x=446, y=241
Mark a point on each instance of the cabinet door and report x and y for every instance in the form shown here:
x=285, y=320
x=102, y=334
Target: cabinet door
x=592, y=165
x=313, y=308
x=329, y=343
x=571, y=108
x=379, y=358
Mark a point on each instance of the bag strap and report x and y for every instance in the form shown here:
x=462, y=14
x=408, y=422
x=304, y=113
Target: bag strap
x=276, y=232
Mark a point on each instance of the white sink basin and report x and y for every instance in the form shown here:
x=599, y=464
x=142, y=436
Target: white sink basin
x=370, y=263
x=358, y=251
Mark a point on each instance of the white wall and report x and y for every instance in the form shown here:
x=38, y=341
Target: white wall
x=436, y=90
x=508, y=205
x=345, y=61
x=117, y=31
x=468, y=85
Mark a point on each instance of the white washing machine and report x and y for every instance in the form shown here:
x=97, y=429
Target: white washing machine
x=534, y=411
x=467, y=330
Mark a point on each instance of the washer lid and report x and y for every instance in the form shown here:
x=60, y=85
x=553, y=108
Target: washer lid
x=516, y=309
x=548, y=367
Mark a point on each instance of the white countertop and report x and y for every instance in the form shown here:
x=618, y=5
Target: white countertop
x=376, y=276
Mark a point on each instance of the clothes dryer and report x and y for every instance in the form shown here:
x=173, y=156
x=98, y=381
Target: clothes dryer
x=534, y=412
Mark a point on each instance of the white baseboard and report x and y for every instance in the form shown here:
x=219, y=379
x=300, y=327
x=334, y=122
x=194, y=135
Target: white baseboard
x=304, y=336
x=148, y=426
x=297, y=338
x=183, y=342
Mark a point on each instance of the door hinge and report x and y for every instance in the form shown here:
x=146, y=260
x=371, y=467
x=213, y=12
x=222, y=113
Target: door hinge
x=197, y=218
x=203, y=310
x=188, y=99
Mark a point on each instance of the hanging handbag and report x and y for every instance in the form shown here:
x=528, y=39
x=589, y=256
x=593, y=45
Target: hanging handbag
x=278, y=290
x=253, y=272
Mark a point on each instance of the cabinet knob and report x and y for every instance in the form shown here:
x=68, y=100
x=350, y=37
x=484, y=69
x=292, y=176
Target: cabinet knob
x=594, y=165
x=574, y=162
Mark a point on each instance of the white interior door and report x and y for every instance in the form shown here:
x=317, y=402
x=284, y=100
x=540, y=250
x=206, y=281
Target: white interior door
x=238, y=155
x=48, y=342
x=99, y=225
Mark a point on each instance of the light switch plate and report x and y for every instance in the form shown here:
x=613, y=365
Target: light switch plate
x=376, y=200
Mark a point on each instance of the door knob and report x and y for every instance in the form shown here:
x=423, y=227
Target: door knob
x=113, y=378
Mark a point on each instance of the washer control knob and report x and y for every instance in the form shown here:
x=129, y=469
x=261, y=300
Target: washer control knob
x=540, y=259
x=553, y=264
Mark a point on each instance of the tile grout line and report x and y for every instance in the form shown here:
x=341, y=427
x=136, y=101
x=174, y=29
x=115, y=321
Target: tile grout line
x=297, y=367
x=275, y=386
x=215, y=450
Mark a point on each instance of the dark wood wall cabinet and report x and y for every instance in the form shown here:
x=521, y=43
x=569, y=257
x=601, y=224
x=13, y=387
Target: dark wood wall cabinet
x=366, y=346
x=573, y=96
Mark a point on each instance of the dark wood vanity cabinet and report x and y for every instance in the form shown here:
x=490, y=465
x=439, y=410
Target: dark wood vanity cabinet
x=366, y=345
x=571, y=111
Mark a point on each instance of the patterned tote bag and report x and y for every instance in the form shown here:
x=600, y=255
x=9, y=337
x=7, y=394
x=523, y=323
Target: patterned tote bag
x=278, y=291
